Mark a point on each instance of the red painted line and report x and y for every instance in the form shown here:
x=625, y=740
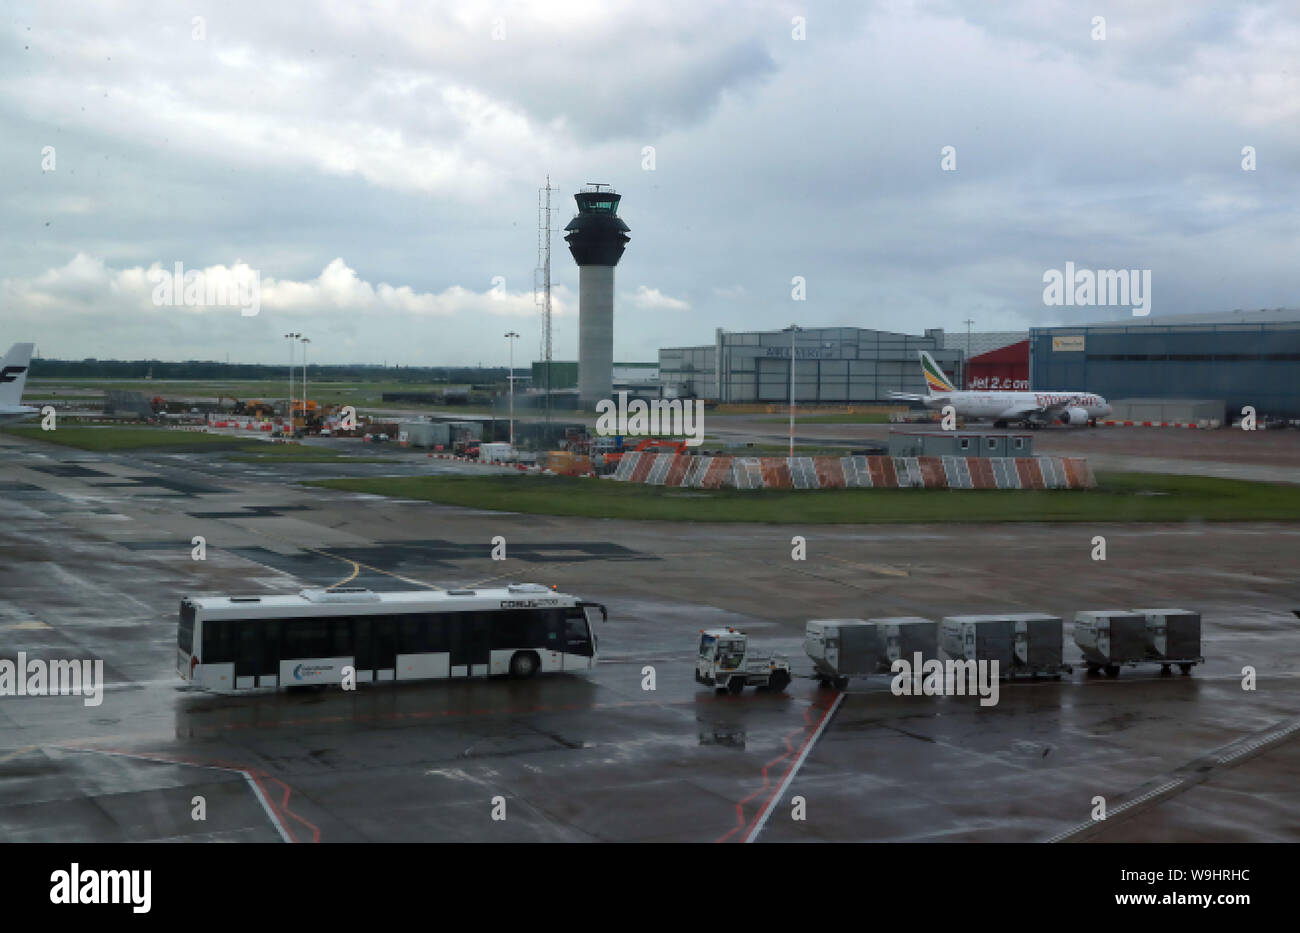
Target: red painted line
x=826, y=712
x=740, y=807
x=811, y=728
x=252, y=773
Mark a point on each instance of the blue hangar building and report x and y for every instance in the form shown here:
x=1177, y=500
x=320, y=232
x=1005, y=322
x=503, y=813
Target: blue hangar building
x=1242, y=357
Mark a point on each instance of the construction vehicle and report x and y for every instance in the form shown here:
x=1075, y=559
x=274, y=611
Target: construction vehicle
x=654, y=445
x=253, y=408
x=726, y=661
x=565, y=463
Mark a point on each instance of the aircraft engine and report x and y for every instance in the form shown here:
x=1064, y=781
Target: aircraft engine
x=1074, y=416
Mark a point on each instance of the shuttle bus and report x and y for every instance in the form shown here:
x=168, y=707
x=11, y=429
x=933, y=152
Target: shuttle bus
x=234, y=643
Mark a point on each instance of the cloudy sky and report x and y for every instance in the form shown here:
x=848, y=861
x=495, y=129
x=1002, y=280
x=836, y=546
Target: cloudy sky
x=377, y=164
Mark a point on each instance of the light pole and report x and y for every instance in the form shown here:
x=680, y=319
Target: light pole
x=965, y=364
x=305, y=341
x=512, y=336
x=792, y=330
x=292, y=338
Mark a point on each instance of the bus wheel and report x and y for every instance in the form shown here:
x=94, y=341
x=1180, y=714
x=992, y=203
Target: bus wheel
x=735, y=685
x=524, y=665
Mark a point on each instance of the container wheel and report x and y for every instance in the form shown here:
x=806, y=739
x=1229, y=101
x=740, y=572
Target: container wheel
x=1185, y=668
x=735, y=685
x=720, y=691
x=779, y=681
x=1112, y=670
x=841, y=683
x=823, y=682
x=1165, y=670
x=1093, y=669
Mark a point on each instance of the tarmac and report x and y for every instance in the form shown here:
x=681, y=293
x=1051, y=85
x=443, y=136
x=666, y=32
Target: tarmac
x=96, y=552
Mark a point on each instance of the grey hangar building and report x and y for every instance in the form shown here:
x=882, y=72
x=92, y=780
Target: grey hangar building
x=1237, y=358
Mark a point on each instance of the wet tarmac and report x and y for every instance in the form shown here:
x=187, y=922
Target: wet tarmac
x=96, y=551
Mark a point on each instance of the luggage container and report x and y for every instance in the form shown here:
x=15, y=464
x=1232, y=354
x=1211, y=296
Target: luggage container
x=1173, y=637
x=490, y=452
x=845, y=648
x=1026, y=644
x=1109, y=638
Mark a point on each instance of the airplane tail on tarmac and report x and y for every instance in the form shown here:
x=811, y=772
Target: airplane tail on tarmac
x=935, y=380
x=13, y=374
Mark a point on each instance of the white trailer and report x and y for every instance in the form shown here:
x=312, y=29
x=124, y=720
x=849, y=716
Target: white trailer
x=845, y=648
x=1023, y=643
x=1111, y=638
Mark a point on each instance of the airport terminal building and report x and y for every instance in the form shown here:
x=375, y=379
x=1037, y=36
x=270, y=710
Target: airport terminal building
x=1241, y=357
x=831, y=364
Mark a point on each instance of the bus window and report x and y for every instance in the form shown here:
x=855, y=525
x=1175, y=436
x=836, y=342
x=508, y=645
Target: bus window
x=411, y=634
x=306, y=638
x=340, y=631
x=249, y=654
x=384, y=630
x=577, y=636
x=219, y=642
x=437, y=633
x=271, y=647
x=554, y=628
x=363, y=651
x=510, y=629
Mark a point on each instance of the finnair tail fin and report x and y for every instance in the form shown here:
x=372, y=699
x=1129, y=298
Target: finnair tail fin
x=935, y=380
x=13, y=373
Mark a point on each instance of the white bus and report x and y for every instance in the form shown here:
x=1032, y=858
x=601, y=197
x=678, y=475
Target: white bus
x=233, y=643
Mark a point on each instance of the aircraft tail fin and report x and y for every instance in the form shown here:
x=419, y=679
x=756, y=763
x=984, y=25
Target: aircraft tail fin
x=13, y=373
x=935, y=380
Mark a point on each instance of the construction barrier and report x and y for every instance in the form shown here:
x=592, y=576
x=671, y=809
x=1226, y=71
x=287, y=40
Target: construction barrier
x=1203, y=424
x=857, y=472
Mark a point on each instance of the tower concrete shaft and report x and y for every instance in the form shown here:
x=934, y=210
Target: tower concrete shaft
x=596, y=238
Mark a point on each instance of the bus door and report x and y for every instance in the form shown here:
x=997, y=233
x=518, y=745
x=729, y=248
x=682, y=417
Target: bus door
x=363, y=650
x=249, y=652
x=579, y=641
x=471, y=649
x=383, y=647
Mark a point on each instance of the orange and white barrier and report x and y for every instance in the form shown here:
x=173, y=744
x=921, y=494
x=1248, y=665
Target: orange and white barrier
x=880, y=472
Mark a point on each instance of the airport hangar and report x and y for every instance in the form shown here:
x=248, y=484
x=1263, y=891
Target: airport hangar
x=837, y=364
x=832, y=364
x=1233, y=359
x=1239, y=358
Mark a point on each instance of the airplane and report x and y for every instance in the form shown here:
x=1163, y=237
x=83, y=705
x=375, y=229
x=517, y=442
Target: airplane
x=13, y=374
x=1033, y=409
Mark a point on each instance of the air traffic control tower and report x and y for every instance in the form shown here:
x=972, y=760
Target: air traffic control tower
x=597, y=238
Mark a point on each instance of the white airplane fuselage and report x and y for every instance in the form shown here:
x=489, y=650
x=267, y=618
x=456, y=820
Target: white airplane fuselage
x=1010, y=406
